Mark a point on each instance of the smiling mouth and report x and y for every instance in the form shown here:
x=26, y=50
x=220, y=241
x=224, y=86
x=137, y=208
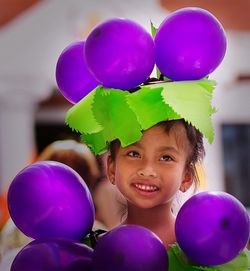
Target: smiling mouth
x=146, y=188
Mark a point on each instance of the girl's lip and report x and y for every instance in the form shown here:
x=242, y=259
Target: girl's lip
x=147, y=183
x=145, y=188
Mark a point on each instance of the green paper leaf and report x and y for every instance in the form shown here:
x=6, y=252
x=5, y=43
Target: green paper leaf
x=192, y=101
x=108, y=114
x=153, y=29
x=177, y=259
x=174, y=264
x=119, y=121
x=240, y=263
x=209, y=85
x=179, y=262
x=81, y=118
x=96, y=142
x=86, y=241
x=153, y=33
x=149, y=106
x=122, y=120
x=203, y=268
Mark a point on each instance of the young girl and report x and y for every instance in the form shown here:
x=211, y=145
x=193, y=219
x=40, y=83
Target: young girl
x=153, y=128
x=151, y=171
x=154, y=143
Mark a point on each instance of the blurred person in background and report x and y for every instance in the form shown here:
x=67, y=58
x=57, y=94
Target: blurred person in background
x=79, y=157
x=109, y=202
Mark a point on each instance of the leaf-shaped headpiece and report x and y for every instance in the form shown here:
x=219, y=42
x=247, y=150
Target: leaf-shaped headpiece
x=108, y=114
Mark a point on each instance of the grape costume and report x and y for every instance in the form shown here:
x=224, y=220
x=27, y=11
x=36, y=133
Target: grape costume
x=121, y=107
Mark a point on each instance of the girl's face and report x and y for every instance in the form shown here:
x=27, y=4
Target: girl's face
x=150, y=172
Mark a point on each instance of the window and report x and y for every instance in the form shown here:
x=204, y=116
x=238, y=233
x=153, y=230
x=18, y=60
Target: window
x=236, y=152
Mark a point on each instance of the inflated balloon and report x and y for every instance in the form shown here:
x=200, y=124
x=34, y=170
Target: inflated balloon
x=49, y=199
x=120, y=53
x=130, y=247
x=52, y=255
x=189, y=44
x=212, y=228
x=72, y=74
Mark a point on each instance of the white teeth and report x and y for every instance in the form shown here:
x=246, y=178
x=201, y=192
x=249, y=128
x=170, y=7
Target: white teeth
x=146, y=187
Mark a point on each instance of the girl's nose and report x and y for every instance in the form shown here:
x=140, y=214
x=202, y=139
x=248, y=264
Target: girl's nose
x=147, y=171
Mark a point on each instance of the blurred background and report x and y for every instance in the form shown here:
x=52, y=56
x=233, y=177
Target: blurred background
x=34, y=32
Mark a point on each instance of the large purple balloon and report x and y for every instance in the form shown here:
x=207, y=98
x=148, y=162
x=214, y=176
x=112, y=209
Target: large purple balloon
x=72, y=74
x=49, y=199
x=130, y=247
x=212, y=228
x=120, y=53
x=53, y=255
x=190, y=44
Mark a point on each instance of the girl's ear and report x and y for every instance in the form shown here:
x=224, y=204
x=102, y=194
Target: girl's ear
x=111, y=169
x=186, y=182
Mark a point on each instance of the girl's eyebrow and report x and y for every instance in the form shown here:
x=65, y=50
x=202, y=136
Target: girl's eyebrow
x=136, y=144
x=160, y=149
x=167, y=148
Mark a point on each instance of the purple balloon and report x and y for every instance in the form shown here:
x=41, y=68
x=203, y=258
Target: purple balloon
x=130, y=247
x=49, y=199
x=212, y=228
x=190, y=44
x=72, y=74
x=120, y=53
x=53, y=255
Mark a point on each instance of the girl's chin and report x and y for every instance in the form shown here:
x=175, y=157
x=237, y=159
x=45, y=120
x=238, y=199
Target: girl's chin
x=147, y=204
x=142, y=204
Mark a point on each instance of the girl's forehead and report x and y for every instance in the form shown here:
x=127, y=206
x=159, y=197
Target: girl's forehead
x=175, y=132
x=160, y=135
x=156, y=132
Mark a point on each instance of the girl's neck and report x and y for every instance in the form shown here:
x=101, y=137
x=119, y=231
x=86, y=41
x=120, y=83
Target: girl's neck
x=159, y=220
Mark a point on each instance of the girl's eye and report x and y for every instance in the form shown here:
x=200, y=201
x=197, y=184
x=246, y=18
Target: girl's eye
x=133, y=154
x=166, y=158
